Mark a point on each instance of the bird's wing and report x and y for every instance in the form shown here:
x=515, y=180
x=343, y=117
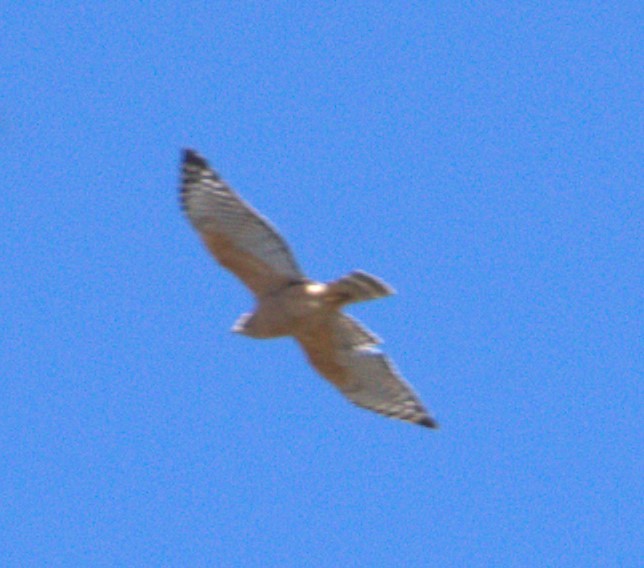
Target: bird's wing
x=238, y=236
x=343, y=352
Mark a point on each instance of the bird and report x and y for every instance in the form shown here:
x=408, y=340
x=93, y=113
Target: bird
x=288, y=303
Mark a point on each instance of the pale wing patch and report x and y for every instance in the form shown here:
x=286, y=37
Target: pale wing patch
x=349, y=332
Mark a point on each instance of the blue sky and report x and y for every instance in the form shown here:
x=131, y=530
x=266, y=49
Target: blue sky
x=483, y=158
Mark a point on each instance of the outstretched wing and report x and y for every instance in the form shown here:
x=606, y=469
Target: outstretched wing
x=343, y=352
x=238, y=236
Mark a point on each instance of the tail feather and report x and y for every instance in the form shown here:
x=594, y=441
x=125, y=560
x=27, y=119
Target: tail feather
x=357, y=286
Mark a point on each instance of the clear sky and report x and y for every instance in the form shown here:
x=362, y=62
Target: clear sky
x=484, y=158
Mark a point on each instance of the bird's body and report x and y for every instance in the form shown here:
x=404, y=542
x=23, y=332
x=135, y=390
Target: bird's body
x=292, y=310
x=290, y=304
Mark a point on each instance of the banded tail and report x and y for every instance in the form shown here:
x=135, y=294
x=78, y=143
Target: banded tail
x=357, y=286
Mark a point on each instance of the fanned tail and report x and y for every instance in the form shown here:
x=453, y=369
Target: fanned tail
x=357, y=286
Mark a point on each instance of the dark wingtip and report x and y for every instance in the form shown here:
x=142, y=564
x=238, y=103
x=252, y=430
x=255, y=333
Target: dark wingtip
x=190, y=159
x=428, y=422
x=191, y=156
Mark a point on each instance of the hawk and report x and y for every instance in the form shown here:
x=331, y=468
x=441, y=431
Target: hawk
x=289, y=304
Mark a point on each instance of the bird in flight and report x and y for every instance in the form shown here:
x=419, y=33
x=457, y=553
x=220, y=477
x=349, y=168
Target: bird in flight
x=289, y=304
